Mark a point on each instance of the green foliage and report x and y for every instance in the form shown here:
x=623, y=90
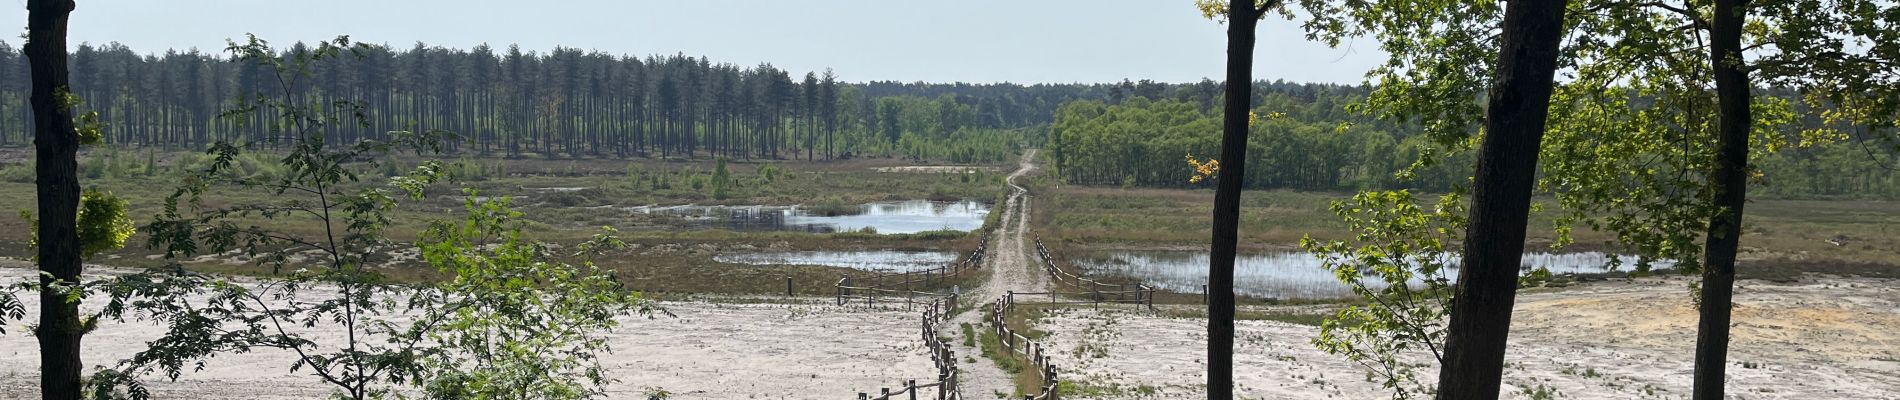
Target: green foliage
x=151, y=163
x=509, y=320
x=1314, y=143
x=319, y=186
x=515, y=323
x=106, y=162
x=769, y=173
x=1832, y=170
x=102, y=224
x=10, y=308
x=1397, y=261
x=722, y=179
x=466, y=170
x=90, y=128
x=697, y=182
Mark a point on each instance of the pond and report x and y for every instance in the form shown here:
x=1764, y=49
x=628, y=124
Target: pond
x=1289, y=275
x=884, y=217
x=877, y=260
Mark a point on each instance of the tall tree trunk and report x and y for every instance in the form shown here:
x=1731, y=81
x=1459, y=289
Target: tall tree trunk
x=1729, y=182
x=1241, y=19
x=1519, y=103
x=56, y=146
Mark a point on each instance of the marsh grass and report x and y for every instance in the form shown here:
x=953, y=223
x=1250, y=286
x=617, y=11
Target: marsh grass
x=1781, y=236
x=565, y=201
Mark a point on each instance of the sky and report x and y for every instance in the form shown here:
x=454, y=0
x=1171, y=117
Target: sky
x=1021, y=41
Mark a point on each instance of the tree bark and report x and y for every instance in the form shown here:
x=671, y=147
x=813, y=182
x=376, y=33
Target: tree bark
x=1729, y=183
x=1242, y=17
x=56, y=146
x=1519, y=103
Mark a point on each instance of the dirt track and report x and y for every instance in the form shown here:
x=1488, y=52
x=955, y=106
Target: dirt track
x=1009, y=270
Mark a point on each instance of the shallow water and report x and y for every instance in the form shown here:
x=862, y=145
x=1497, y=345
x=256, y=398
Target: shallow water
x=1288, y=275
x=878, y=260
x=885, y=217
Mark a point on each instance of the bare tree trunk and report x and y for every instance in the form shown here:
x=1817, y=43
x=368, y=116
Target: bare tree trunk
x=56, y=145
x=1519, y=103
x=1242, y=17
x=1729, y=182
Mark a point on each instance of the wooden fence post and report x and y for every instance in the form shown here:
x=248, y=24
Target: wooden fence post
x=788, y=286
x=1037, y=352
x=913, y=389
x=1204, y=294
x=886, y=392
x=1055, y=389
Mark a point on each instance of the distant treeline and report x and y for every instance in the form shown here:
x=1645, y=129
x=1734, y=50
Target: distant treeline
x=563, y=103
x=1305, y=138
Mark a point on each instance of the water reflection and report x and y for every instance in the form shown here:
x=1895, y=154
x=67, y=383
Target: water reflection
x=884, y=217
x=1290, y=275
x=879, y=260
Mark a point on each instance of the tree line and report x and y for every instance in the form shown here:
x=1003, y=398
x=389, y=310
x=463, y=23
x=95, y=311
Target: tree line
x=562, y=103
x=1305, y=137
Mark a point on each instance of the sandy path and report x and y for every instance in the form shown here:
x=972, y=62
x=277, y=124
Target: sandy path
x=1010, y=270
x=712, y=350
x=1818, y=339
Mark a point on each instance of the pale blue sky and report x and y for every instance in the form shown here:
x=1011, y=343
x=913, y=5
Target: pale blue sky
x=1024, y=41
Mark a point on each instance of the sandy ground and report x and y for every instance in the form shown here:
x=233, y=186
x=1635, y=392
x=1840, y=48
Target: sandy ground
x=1827, y=338
x=712, y=350
x=1824, y=338
x=719, y=349
x=1010, y=270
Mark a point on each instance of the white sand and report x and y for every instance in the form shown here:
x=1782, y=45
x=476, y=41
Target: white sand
x=1819, y=339
x=711, y=351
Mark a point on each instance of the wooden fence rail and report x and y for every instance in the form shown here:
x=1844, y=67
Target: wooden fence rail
x=1031, y=350
x=907, y=284
x=948, y=375
x=938, y=307
x=1096, y=291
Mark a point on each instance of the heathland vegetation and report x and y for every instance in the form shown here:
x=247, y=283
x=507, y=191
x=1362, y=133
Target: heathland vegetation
x=479, y=223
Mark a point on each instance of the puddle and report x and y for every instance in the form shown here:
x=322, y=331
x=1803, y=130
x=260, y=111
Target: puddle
x=1289, y=275
x=884, y=217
